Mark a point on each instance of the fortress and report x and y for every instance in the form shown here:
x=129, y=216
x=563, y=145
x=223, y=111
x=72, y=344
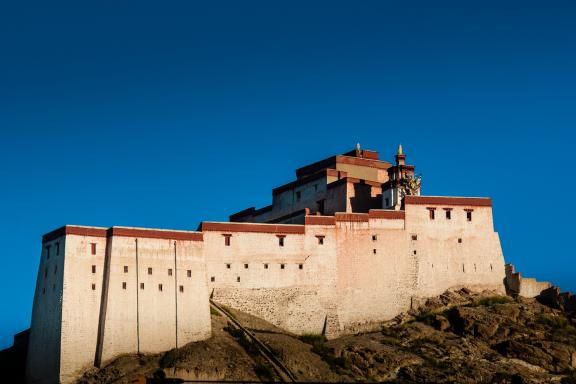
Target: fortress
x=348, y=244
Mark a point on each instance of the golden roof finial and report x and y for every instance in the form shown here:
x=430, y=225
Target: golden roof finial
x=399, y=149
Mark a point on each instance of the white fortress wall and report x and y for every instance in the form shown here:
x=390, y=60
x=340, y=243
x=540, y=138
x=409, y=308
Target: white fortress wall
x=43, y=359
x=455, y=252
x=82, y=292
x=290, y=285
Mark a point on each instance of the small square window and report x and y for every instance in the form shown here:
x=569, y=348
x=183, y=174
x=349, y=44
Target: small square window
x=265, y=266
x=414, y=237
x=320, y=239
x=245, y=266
x=228, y=266
x=93, y=248
x=93, y=287
x=300, y=266
x=160, y=287
x=374, y=237
x=141, y=285
x=459, y=240
x=212, y=279
x=125, y=269
x=189, y=273
x=93, y=269
x=181, y=288
x=169, y=271
x=238, y=279
x=124, y=285
x=281, y=266
x=149, y=270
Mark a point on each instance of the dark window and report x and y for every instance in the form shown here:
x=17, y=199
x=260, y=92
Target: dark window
x=43, y=291
x=189, y=273
x=55, y=269
x=374, y=237
x=448, y=214
x=125, y=269
x=141, y=285
x=93, y=269
x=228, y=266
x=160, y=287
x=265, y=266
x=149, y=270
x=46, y=272
x=414, y=251
x=181, y=288
x=169, y=271
x=414, y=237
x=374, y=251
x=320, y=239
x=469, y=215
x=281, y=241
x=432, y=213
x=281, y=266
x=300, y=266
x=93, y=287
x=57, y=249
x=53, y=287
x=320, y=206
x=387, y=202
x=212, y=279
x=227, y=240
x=93, y=248
x=238, y=279
x=47, y=252
x=298, y=195
x=490, y=266
x=124, y=285
x=245, y=266
x=459, y=240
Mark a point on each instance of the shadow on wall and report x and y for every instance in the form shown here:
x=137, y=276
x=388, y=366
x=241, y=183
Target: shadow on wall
x=363, y=200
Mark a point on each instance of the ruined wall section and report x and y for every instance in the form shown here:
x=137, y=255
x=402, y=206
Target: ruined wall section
x=291, y=285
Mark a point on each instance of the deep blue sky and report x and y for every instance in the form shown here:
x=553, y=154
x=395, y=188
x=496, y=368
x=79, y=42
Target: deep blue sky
x=162, y=114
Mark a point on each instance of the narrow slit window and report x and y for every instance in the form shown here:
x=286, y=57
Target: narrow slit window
x=169, y=271
x=448, y=213
x=414, y=251
x=432, y=213
x=45, y=272
x=141, y=285
x=57, y=249
x=43, y=291
x=93, y=248
x=125, y=269
x=181, y=288
x=160, y=287
x=374, y=237
x=281, y=241
x=189, y=273
x=124, y=285
x=298, y=195
x=238, y=279
x=387, y=203
x=300, y=266
x=320, y=239
x=55, y=269
x=265, y=266
x=93, y=287
x=227, y=240
x=93, y=269
x=149, y=270
x=468, y=215
x=374, y=251
x=47, y=252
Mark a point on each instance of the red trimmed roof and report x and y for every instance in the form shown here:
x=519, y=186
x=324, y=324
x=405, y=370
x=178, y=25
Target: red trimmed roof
x=446, y=200
x=251, y=227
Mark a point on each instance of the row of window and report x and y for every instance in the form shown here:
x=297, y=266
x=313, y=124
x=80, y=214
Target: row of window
x=281, y=239
x=56, y=248
x=282, y=266
x=188, y=272
x=448, y=213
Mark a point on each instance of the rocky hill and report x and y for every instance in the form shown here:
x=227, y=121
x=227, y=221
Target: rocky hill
x=459, y=337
